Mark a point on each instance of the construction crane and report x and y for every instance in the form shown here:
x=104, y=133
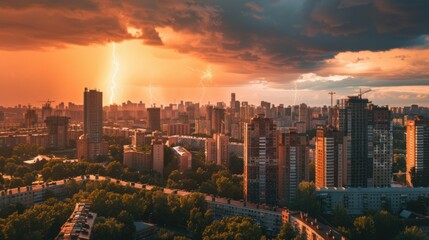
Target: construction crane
x=362, y=93
x=47, y=102
x=332, y=97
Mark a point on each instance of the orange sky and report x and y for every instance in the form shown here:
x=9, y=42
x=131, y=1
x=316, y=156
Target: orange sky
x=55, y=51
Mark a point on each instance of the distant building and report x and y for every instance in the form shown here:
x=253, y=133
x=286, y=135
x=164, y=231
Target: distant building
x=91, y=144
x=30, y=118
x=154, y=119
x=184, y=156
x=218, y=116
x=57, y=131
x=418, y=152
x=178, y=129
x=157, y=153
x=217, y=149
x=260, y=161
x=137, y=159
x=79, y=225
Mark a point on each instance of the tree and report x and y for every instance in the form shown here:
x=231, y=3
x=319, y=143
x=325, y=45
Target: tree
x=412, y=233
x=198, y=221
x=364, y=228
x=306, y=199
x=340, y=218
x=107, y=229
x=387, y=226
x=114, y=169
x=287, y=232
x=236, y=164
x=230, y=228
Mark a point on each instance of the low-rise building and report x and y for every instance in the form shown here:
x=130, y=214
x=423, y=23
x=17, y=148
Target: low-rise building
x=357, y=200
x=79, y=225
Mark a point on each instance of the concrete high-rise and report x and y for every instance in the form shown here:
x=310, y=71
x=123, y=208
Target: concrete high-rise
x=292, y=162
x=353, y=122
x=331, y=152
x=260, y=161
x=216, y=149
x=418, y=152
x=154, y=119
x=90, y=145
x=380, y=139
x=157, y=152
x=30, y=118
x=218, y=116
x=57, y=131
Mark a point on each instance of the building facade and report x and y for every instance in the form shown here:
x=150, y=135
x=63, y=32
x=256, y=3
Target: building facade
x=260, y=161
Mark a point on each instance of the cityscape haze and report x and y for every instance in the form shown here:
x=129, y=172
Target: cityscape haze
x=282, y=119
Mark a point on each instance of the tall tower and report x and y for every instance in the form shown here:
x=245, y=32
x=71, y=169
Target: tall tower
x=418, y=152
x=381, y=150
x=218, y=117
x=232, y=103
x=353, y=122
x=93, y=115
x=330, y=158
x=260, y=161
x=154, y=115
x=90, y=145
x=292, y=154
x=157, y=152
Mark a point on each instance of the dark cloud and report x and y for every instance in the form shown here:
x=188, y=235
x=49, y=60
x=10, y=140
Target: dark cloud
x=276, y=36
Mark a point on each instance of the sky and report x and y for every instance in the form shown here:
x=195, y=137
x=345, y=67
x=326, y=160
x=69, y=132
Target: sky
x=164, y=51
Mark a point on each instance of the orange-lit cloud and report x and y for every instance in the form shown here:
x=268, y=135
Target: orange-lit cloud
x=58, y=47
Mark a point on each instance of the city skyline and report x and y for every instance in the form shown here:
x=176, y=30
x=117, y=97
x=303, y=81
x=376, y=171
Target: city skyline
x=280, y=51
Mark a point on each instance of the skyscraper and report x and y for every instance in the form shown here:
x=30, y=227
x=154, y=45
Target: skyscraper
x=157, y=152
x=380, y=129
x=260, y=161
x=154, y=119
x=90, y=145
x=57, y=131
x=292, y=161
x=218, y=116
x=331, y=160
x=353, y=122
x=418, y=152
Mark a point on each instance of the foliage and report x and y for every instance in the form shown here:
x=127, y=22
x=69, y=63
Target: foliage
x=412, y=233
x=364, y=228
x=230, y=228
x=306, y=199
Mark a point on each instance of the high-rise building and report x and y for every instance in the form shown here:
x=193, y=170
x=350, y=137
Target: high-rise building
x=218, y=117
x=154, y=119
x=331, y=160
x=91, y=145
x=46, y=111
x=260, y=161
x=158, y=152
x=418, y=152
x=292, y=164
x=57, y=131
x=30, y=118
x=380, y=139
x=232, y=103
x=217, y=150
x=353, y=122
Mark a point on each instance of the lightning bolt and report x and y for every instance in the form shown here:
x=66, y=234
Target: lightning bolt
x=206, y=76
x=115, y=73
x=296, y=92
